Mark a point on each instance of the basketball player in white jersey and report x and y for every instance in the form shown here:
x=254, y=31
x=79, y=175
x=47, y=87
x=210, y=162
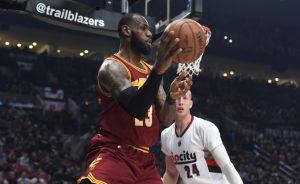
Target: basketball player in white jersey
x=187, y=143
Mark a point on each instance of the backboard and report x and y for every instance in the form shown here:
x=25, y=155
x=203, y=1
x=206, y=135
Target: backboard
x=163, y=12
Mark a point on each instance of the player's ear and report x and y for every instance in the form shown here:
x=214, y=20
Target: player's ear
x=191, y=105
x=126, y=31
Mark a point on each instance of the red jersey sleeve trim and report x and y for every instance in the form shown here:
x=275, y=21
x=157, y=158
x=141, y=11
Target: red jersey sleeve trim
x=144, y=71
x=148, y=65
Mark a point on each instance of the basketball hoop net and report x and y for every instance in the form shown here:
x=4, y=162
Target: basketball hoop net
x=193, y=68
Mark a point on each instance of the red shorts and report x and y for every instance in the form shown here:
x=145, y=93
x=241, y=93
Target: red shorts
x=110, y=163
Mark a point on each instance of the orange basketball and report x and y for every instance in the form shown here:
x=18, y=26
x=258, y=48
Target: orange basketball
x=192, y=39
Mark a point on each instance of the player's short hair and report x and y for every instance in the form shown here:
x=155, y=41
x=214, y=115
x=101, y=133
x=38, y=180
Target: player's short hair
x=127, y=19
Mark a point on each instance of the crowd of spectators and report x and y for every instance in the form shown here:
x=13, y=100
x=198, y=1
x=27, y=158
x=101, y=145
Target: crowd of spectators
x=256, y=162
x=255, y=170
x=246, y=99
x=44, y=147
x=281, y=148
x=36, y=149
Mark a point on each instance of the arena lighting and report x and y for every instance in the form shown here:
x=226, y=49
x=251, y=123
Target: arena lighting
x=58, y=51
x=86, y=51
x=30, y=46
x=81, y=54
x=7, y=43
x=225, y=37
x=19, y=45
x=230, y=41
x=276, y=79
x=269, y=81
x=225, y=74
x=34, y=44
x=231, y=72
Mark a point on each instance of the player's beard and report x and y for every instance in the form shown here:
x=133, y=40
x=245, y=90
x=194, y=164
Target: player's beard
x=139, y=45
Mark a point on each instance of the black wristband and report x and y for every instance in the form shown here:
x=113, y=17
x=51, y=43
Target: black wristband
x=169, y=100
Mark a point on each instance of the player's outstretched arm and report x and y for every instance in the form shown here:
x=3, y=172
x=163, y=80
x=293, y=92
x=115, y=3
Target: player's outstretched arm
x=166, y=103
x=212, y=140
x=223, y=160
x=171, y=174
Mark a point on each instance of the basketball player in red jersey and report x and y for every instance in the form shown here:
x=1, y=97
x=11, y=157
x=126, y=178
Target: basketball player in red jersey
x=133, y=101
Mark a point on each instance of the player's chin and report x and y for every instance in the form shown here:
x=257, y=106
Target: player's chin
x=180, y=113
x=147, y=50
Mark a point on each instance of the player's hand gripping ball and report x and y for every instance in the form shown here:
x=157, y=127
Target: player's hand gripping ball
x=192, y=39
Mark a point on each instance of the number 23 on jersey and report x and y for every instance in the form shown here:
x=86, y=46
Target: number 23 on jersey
x=147, y=121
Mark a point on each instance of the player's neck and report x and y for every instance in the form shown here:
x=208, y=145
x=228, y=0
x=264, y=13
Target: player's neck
x=129, y=55
x=182, y=123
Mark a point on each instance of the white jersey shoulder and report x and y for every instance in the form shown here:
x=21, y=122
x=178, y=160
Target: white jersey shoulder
x=188, y=151
x=200, y=129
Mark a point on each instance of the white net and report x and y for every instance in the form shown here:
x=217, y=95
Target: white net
x=193, y=68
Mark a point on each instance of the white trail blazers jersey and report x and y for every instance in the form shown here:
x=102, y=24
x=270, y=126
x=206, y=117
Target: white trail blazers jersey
x=190, y=152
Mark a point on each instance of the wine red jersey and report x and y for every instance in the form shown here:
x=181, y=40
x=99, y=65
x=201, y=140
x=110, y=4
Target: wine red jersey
x=119, y=125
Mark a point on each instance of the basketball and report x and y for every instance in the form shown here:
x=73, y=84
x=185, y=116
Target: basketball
x=192, y=39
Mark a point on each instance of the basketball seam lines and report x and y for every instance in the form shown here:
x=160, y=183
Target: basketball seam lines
x=193, y=39
x=180, y=40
